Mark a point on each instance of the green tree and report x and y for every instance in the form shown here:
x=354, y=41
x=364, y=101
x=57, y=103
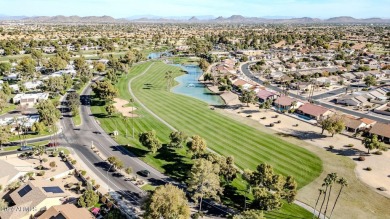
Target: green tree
x=267, y=200
x=321, y=191
x=197, y=145
x=105, y=90
x=88, y=199
x=204, y=64
x=250, y=214
x=56, y=63
x=203, y=181
x=3, y=100
x=332, y=179
x=54, y=84
x=3, y=204
x=333, y=124
x=150, y=140
x=74, y=102
x=6, y=88
x=26, y=66
x=372, y=142
x=177, y=139
x=100, y=67
x=38, y=127
x=116, y=162
x=5, y=135
x=128, y=170
x=48, y=113
x=227, y=168
x=370, y=81
x=248, y=97
x=5, y=67
x=167, y=202
x=111, y=110
x=37, y=56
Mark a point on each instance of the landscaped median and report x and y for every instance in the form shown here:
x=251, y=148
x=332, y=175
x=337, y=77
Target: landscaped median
x=226, y=136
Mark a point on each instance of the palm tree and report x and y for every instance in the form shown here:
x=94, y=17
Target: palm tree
x=326, y=183
x=333, y=178
x=168, y=77
x=318, y=198
x=343, y=183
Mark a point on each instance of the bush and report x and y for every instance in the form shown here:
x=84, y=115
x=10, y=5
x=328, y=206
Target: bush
x=83, y=172
x=361, y=158
x=41, y=173
x=249, y=116
x=271, y=125
x=331, y=147
x=74, y=162
x=368, y=168
x=52, y=164
x=69, y=185
x=97, y=186
x=40, y=167
x=263, y=117
x=378, y=152
x=54, y=154
x=279, y=122
x=52, y=179
x=103, y=199
x=350, y=145
x=44, y=160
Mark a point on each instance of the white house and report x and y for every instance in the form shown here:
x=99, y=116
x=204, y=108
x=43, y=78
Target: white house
x=32, y=85
x=29, y=99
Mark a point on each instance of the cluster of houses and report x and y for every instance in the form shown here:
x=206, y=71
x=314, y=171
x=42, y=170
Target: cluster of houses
x=227, y=66
x=365, y=98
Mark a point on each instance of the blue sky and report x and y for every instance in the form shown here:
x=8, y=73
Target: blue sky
x=255, y=8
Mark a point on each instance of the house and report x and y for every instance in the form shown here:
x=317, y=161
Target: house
x=9, y=173
x=287, y=103
x=382, y=130
x=302, y=86
x=29, y=99
x=313, y=111
x=36, y=196
x=353, y=124
x=265, y=95
x=67, y=211
x=11, y=77
x=349, y=100
x=241, y=84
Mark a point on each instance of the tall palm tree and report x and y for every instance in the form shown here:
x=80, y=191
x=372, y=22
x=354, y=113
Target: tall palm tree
x=333, y=178
x=168, y=77
x=326, y=184
x=318, y=198
x=343, y=183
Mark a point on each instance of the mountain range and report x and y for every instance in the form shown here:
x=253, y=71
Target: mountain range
x=234, y=19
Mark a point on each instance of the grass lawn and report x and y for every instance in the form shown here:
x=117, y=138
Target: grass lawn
x=76, y=119
x=7, y=109
x=224, y=135
x=28, y=136
x=148, y=187
x=35, y=144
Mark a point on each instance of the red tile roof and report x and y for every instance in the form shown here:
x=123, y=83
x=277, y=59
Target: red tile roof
x=313, y=110
x=284, y=101
x=264, y=94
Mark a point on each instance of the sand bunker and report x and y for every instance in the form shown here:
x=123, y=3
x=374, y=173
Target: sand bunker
x=124, y=110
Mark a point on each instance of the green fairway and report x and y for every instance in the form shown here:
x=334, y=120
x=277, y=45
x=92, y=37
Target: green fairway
x=224, y=135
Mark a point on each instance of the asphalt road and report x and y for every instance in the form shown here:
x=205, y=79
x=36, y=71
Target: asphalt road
x=245, y=70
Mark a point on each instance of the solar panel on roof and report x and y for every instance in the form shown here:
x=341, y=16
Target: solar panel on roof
x=25, y=190
x=53, y=189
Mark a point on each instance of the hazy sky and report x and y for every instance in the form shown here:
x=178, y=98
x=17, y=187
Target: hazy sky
x=258, y=8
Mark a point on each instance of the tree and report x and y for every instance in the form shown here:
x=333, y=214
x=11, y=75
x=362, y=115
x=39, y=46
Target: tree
x=55, y=84
x=56, y=63
x=105, y=90
x=128, y=170
x=3, y=204
x=26, y=66
x=150, y=140
x=321, y=191
x=204, y=64
x=267, y=200
x=372, y=142
x=3, y=100
x=169, y=78
x=74, y=102
x=48, y=113
x=343, y=183
x=88, y=199
x=38, y=127
x=333, y=124
x=370, y=81
x=197, y=145
x=203, y=181
x=52, y=164
x=5, y=67
x=227, y=168
x=248, y=97
x=6, y=88
x=110, y=109
x=5, y=135
x=326, y=184
x=332, y=179
x=177, y=139
x=37, y=56
x=116, y=162
x=250, y=214
x=167, y=202
x=100, y=67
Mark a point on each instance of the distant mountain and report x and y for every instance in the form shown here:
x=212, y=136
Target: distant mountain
x=234, y=19
x=72, y=19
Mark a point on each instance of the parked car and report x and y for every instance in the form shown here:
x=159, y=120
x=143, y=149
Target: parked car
x=53, y=144
x=25, y=148
x=144, y=173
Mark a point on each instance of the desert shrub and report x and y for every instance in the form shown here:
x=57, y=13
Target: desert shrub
x=40, y=167
x=44, y=160
x=361, y=158
x=378, y=152
x=271, y=125
x=41, y=173
x=83, y=172
x=368, y=168
x=249, y=116
x=54, y=154
x=331, y=147
x=52, y=179
x=350, y=145
x=74, y=162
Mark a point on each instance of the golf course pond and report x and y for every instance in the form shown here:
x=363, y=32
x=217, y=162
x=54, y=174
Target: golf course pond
x=190, y=86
